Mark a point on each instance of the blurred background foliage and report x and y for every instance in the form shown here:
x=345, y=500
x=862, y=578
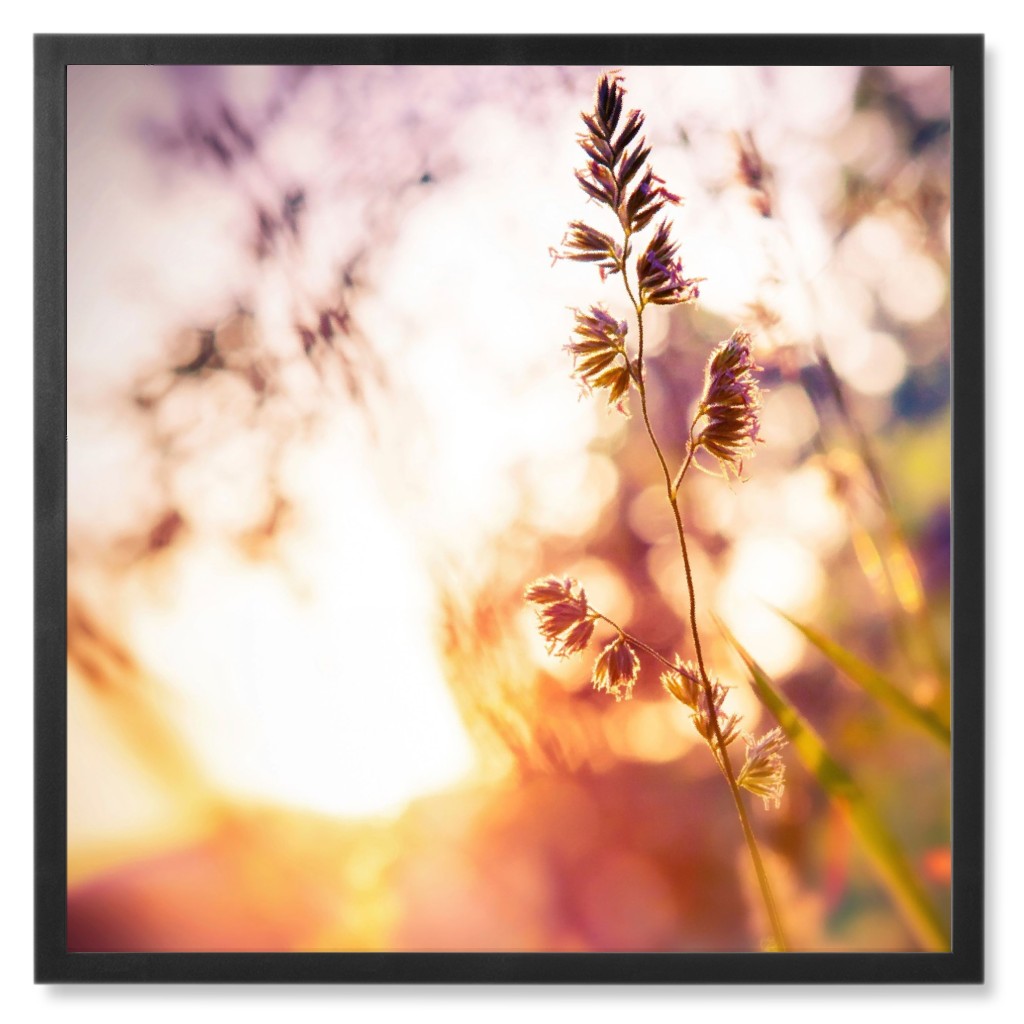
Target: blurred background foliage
x=322, y=432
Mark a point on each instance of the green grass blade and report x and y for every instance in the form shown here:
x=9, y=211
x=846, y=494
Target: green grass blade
x=872, y=682
x=884, y=852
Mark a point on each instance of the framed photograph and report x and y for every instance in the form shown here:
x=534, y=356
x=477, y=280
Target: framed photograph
x=509, y=509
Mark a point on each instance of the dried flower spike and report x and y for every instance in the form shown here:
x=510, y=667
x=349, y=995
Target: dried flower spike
x=764, y=772
x=600, y=355
x=564, y=617
x=585, y=244
x=731, y=404
x=616, y=669
x=684, y=683
x=660, y=273
x=618, y=176
x=686, y=686
x=705, y=714
x=612, y=165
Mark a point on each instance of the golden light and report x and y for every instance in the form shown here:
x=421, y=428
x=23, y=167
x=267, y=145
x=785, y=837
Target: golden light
x=767, y=572
x=282, y=685
x=353, y=716
x=651, y=731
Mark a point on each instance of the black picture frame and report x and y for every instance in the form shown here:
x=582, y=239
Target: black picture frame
x=53, y=963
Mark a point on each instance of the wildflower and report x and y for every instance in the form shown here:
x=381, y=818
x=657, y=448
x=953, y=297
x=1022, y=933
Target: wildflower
x=660, y=273
x=563, y=614
x=731, y=403
x=764, y=772
x=612, y=165
x=585, y=244
x=684, y=683
x=616, y=669
x=708, y=711
x=645, y=203
x=599, y=355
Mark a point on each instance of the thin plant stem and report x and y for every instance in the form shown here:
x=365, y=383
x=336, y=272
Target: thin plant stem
x=635, y=640
x=748, y=833
x=672, y=493
x=730, y=403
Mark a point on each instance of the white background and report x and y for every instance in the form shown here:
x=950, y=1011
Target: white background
x=1004, y=876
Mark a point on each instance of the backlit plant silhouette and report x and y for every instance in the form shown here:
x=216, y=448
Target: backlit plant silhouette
x=724, y=428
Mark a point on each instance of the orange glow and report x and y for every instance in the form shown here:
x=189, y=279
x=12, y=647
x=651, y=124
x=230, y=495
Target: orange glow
x=322, y=433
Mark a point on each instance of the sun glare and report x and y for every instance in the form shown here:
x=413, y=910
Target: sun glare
x=411, y=476
x=327, y=694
